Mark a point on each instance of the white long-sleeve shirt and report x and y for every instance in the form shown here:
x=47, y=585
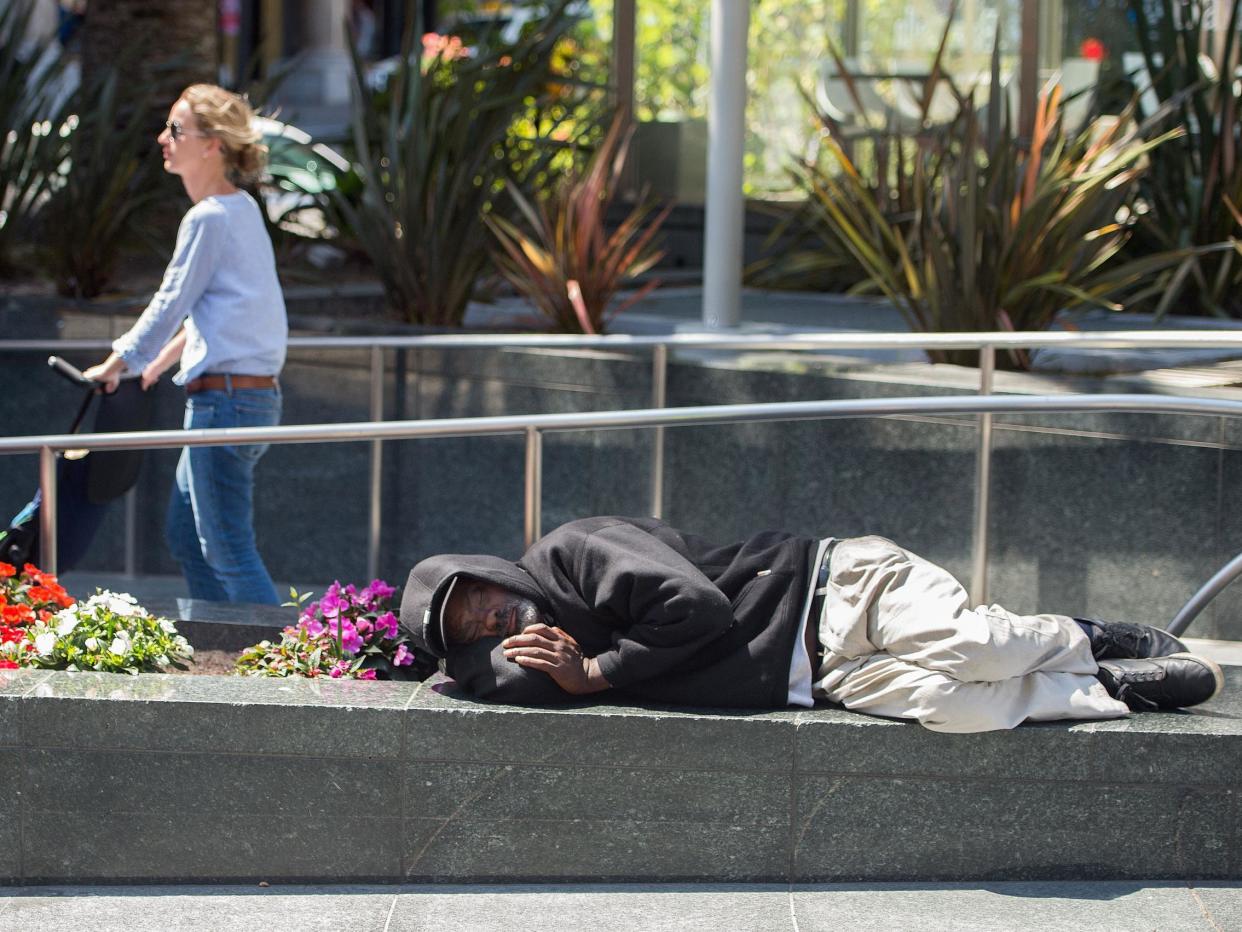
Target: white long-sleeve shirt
x=222, y=282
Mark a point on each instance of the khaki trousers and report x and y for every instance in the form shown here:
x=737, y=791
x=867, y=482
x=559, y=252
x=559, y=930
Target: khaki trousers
x=901, y=640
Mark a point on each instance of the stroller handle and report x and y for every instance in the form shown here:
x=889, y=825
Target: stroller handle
x=70, y=372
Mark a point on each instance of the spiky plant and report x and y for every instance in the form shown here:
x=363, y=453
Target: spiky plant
x=433, y=151
x=1194, y=186
x=1000, y=236
x=31, y=114
x=101, y=189
x=565, y=262
x=803, y=251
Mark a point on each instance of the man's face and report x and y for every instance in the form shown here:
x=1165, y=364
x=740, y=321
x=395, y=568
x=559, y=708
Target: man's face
x=478, y=609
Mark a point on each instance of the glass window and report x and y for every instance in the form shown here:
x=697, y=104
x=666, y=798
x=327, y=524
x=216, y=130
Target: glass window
x=788, y=62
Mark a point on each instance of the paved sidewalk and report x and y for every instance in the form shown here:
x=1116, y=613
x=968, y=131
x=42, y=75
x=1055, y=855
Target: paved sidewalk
x=1097, y=907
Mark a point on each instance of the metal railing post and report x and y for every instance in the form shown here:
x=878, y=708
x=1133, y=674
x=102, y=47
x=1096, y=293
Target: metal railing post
x=131, y=532
x=47, y=510
x=659, y=399
x=534, y=484
x=375, y=525
x=983, y=484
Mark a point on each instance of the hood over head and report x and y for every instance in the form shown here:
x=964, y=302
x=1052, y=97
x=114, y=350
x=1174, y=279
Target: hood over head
x=429, y=584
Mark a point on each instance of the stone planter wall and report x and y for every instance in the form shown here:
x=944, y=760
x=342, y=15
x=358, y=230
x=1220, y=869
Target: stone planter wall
x=210, y=779
x=218, y=779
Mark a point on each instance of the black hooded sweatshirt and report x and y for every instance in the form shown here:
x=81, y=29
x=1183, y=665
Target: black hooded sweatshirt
x=668, y=616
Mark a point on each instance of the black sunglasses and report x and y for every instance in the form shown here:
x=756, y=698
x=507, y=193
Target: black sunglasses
x=177, y=131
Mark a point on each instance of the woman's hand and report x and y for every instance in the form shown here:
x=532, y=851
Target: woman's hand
x=556, y=653
x=163, y=362
x=107, y=373
x=151, y=374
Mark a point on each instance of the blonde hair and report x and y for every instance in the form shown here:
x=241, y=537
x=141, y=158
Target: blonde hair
x=229, y=118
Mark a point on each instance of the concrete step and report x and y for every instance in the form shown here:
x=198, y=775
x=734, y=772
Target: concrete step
x=201, y=779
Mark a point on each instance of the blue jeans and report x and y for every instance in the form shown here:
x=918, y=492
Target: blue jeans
x=211, y=511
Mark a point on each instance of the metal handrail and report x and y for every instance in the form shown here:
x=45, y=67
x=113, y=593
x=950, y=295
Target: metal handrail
x=696, y=415
x=1127, y=339
x=535, y=425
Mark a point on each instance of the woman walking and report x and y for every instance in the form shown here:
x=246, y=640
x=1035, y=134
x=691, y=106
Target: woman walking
x=222, y=285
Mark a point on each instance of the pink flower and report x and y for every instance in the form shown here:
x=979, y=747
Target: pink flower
x=377, y=591
x=403, y=657
x=350, y=639
x=332, y=605
x=366, y=674
x=313, y=627
x=339, y=669
x=386, y=625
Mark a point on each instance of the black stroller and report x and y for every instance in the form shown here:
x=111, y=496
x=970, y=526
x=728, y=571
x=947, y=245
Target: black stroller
x=86, y=482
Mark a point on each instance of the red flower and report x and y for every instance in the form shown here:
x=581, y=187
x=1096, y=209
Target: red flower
x=7, y=570
x=7, y=664
x=14, y=614
x=1092, y=49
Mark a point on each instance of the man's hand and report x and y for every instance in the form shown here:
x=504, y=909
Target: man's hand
x=556, y=653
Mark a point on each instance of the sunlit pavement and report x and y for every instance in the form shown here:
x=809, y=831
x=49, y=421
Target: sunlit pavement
x=1168, y=907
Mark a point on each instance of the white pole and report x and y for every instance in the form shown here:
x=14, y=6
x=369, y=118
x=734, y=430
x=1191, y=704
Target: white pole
x=726, y=126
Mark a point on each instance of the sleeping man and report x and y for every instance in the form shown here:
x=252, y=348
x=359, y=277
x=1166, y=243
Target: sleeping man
x=638, y=608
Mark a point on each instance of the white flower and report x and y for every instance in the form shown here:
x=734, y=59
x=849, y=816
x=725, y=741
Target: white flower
x=118, y=603
x=66, y=625
x=92, y=643
x=168, y=626
x=119, y=645
x=123, y=607
x=45, y=643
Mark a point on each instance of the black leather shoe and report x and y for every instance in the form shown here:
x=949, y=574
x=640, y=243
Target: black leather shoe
x=1114, y=640
x=1173, y=682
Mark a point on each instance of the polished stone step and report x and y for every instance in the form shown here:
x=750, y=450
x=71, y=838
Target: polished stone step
x=227, y=779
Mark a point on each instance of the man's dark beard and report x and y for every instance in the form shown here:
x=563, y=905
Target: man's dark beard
x=527, y=612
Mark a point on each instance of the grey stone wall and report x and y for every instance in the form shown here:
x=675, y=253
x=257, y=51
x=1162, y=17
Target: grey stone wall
x=208, y=779
x=1115, y=516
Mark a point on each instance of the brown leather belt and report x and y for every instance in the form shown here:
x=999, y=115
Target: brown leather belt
x=229, y=382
